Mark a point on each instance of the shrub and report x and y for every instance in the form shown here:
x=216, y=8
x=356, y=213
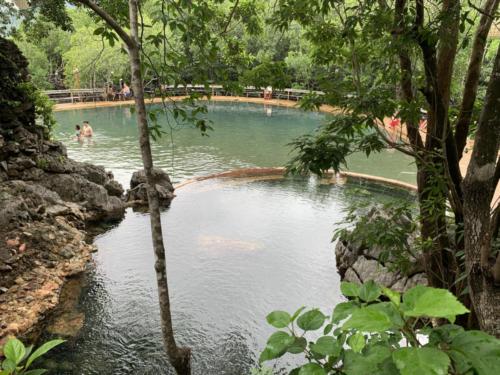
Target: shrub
x=19, y=358
x=379, y=331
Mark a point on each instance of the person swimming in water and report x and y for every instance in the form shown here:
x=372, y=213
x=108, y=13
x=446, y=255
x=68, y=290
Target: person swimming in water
x=87, y=130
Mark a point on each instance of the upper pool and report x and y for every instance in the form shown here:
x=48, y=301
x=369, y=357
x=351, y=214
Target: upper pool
x=244, y=135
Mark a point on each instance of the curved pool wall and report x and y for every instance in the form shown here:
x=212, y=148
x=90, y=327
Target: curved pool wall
x=237, y=248
x=244, y=136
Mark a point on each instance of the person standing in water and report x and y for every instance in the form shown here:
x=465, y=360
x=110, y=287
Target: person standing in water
x=78, y=133
x=87, y=130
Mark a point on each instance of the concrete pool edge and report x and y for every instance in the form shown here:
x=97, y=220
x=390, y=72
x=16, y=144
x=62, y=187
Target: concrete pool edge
x=280, y=172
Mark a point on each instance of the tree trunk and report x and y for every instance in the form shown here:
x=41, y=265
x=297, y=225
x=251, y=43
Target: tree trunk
x=180, y=358
x=479, y=186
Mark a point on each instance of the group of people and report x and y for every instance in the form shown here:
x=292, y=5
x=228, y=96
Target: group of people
x=122, y=93
x=83, y=132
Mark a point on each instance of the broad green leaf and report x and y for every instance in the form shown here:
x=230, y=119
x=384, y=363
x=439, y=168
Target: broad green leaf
x=8, y=365
x=368, y=320
x=349, y=289
x=311, y=320
x=298, y=345
x=418, y=361
x=267, y=355
x=279, y=319
x=328, y=329
x=357, y=342
x=393, y=296
x=342, y=311
x=42, y=350
x=431, y=302
x=296, y=313
x=366, y=363
x=443, y=334
x=369, y=291
x=279, y=342
x=326, y=345
x=390, y=310
x=312, y=369
x=14, y=350
x=476, y=350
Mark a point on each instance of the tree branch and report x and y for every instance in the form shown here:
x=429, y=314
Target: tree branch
x=231, y=15
x=125, y=37
x=473, y=73
x=406, y=74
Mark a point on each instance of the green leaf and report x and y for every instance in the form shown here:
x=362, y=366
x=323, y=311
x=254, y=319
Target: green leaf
x=349, y=289
x=417, y=361
x=311, y=320
x=298, y=345
x=476, y=350
x=312, y=369
x=328, y=329
x=267, y=355
x=42, y=350
x=296, y=313
x=8, y=365
x=357, y=342
x=279, y=319
x=369, y=291
x=326, y=345
x=393, y=296
x=431, y=302
x=14, y=350
x=278, y=344
x=366, y=363
x=368, y=319
x=342, y=311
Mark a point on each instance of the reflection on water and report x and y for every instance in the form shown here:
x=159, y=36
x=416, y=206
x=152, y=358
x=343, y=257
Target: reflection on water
x=234, y=253
x=243, y=136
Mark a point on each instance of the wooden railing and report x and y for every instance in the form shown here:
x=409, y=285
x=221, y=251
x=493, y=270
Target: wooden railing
x=85, y=95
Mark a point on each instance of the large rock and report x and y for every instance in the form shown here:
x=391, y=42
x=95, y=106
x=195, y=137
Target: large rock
x=357, y=262
x=47, y=202
x=137, y=194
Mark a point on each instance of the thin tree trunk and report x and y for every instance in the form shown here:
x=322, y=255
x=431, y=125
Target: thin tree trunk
x=479, y=186
x=180, y=358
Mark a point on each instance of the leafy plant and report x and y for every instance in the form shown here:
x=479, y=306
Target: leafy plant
x=19, y=358
x=380, y=331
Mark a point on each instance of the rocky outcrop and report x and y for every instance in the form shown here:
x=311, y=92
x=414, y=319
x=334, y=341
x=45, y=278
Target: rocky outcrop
x=46, y=202
x=137, y=194
x=357, y=262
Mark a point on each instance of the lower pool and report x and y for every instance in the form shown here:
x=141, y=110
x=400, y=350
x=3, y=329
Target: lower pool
x=236, y=250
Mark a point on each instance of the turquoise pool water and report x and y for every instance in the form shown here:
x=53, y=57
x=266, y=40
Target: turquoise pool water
x=244, y=135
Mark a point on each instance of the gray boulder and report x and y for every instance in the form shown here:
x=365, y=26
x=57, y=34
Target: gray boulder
x=137, y=194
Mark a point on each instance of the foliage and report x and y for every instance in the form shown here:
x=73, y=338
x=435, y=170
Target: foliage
x=380, y=331
x=19, y=358
x=387, y=227
x=268, y=73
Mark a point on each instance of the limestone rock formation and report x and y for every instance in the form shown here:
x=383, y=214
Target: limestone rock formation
x=46, y=202
x=137, y=194
x=358, y=263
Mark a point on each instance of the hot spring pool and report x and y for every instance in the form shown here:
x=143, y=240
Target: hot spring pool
x=236, y=249
x=243, y=136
